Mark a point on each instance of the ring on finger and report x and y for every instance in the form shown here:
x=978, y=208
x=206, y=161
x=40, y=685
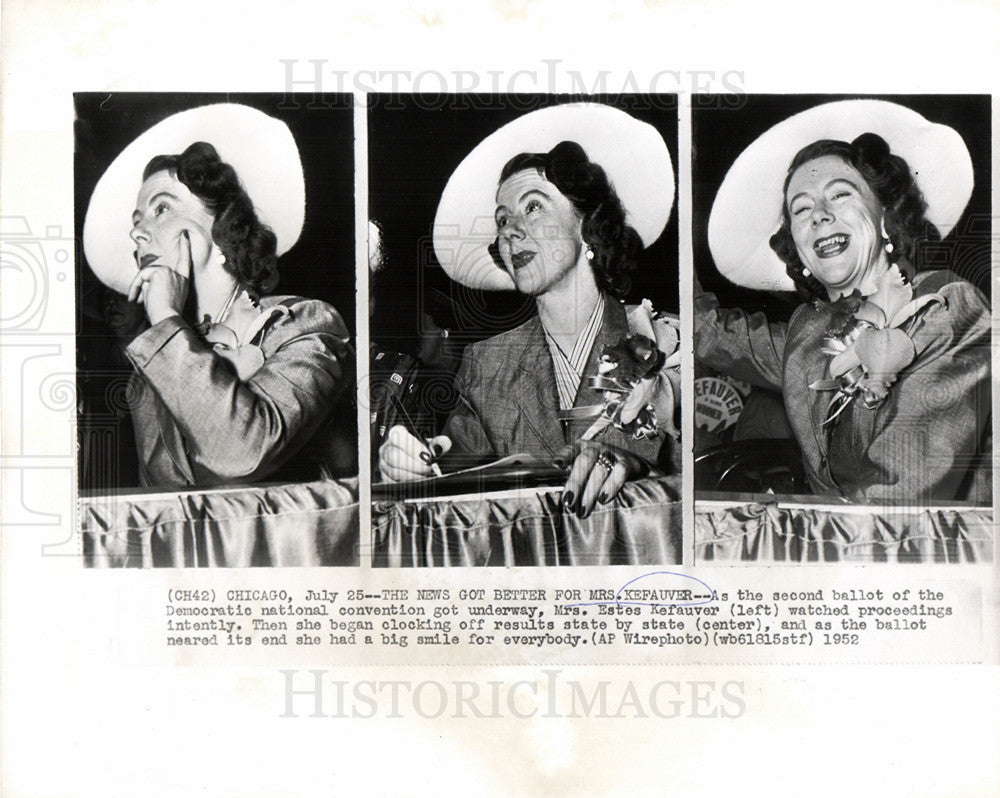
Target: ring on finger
x=607, y=461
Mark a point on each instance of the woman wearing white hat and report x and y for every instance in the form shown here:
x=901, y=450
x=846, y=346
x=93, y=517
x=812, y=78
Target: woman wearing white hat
x=555, y=205
x=232, y=385
x=884, y=370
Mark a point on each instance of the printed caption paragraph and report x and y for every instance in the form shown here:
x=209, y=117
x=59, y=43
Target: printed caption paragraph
x=661, y=617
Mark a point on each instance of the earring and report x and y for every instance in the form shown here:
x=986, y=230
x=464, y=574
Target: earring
x=215, y=253
x=885, y=237
x=589, y=254
x=806, y=272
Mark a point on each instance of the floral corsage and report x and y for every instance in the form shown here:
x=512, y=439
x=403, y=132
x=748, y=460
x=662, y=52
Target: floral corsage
x=639, y=377
x=246, y=356
x=868, y=351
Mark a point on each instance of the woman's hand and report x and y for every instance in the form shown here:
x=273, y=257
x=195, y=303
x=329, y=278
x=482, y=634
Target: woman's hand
x=163, y=290
x=599, y=472
x=404, y=458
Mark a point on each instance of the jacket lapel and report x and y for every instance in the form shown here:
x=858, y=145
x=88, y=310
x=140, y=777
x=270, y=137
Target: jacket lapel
x=815, y=369
x=613, y=330
x=805, y=364
x=534, y=389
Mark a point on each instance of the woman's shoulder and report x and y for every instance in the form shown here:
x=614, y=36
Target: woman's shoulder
x=489, y=364
x=808, y=315
x=304, y=315
x=940, y=280
x=288, y=318
x=501, y=343
x=962, y=301
x=957, y=315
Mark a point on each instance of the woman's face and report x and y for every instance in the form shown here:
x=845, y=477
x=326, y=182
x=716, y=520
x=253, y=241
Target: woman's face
x=835, y=223
x=165, y=209
x=538, y=232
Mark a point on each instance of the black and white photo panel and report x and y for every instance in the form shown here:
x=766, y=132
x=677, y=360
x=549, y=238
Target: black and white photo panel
x=525, y=367
x=215, y=329
x=842, y=328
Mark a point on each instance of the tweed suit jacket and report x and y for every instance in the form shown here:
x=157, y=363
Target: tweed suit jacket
x=508, y=403
x=198, y=423
x=918, y=445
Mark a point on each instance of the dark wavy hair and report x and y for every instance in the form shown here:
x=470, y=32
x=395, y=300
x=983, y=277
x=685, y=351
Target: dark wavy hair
x=249, y=246
x=889, y=178
x=586, y=185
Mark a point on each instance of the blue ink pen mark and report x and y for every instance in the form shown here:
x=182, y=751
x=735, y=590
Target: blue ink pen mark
x=642, y=597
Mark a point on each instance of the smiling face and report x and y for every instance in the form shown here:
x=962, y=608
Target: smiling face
x=538, y=232
x=835, y=222
x=164, y=210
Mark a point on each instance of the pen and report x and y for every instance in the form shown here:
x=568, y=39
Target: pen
x=412, y=429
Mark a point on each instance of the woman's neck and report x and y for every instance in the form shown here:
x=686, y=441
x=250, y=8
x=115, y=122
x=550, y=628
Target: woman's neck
x=213, y=288
x=566, y=307
x=867, y=283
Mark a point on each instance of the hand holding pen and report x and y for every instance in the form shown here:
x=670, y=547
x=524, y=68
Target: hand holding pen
x=406, y=455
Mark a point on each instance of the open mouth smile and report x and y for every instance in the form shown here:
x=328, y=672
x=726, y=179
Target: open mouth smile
x=831, y=246
x=521, y=259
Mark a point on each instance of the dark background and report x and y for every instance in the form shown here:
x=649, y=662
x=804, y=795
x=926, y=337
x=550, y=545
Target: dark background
x=415, y=143
x=319, y=266
x=720, y=133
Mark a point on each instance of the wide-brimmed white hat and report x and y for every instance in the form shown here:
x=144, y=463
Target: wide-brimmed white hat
x=632, y=153
x=260, y=148
x=747, y=208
